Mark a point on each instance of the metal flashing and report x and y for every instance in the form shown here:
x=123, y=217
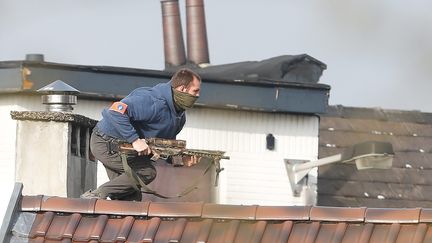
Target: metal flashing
x=11, y=211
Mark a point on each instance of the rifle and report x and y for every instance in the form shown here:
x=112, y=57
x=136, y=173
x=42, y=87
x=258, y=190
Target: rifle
x=171, y=149
x=166, y=148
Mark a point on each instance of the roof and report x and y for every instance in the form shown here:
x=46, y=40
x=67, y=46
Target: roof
x=113, y=83
x=407, y=184
x=56, y=219
x=289, y=68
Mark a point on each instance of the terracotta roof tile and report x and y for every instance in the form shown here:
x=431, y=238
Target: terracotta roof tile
x=90, y=228
x=231, y=231
x=71, y=225
x=387, y=215
x=138, y=230
x=121, y=207
x=152, y=229
x=43, y=222
x=426, y=215
x=202, y=223
x=58, y=226
x=177, y=231
x=222, y=211
x=282, y=213
x=420, y=232
x=258, y=231
x=169, y=209
x=125, y=228
x=75, y=205
x=204, y=231
x=31, y=203
x=277, y=231
x=117, y=229
x=337, y=214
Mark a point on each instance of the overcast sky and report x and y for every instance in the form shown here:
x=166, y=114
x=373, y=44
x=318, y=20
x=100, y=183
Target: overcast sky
x=378, y=53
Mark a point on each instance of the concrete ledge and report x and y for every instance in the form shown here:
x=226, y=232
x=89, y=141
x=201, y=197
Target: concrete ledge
x=53, y=116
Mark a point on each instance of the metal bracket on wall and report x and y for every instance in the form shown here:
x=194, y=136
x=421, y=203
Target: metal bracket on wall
x=296, y=187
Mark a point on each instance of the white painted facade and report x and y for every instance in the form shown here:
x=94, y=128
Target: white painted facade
x=253, y=175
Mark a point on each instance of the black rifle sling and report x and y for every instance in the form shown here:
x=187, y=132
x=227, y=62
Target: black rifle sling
x=139, y=184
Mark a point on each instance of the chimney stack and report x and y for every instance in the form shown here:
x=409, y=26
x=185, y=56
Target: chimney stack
x=172, y=34
x=197, y=47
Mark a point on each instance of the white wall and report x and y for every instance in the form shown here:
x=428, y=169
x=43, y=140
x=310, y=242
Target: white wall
x=254, y=175
x=7, y=150
x=41, y=154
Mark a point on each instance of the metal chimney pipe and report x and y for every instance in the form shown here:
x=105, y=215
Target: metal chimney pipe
x=59, y=96
x=174, y=48
x=34, y=57
x=197, y=46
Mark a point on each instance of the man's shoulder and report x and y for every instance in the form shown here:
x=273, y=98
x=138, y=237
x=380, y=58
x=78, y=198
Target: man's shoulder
x=140, y=90
x=157, y=90
x=157, y=96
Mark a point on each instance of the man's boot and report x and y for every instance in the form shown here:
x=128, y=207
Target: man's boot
x=92, y=194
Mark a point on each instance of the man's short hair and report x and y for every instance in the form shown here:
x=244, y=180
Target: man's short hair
x=183, y=77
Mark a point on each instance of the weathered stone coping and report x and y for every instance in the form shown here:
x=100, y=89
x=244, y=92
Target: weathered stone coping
x=53, y=116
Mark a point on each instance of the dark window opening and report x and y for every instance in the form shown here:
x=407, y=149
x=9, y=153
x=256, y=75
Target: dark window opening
x=83, y=142
x=74, y=140
x=91, y=156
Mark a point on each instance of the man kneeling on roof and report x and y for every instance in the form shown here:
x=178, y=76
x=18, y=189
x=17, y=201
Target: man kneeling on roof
x=156, y=112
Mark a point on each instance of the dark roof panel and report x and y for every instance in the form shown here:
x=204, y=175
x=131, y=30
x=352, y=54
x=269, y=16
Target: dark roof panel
x=339, y=201
x=402, y=159
x=380, y=190
x=407, y=183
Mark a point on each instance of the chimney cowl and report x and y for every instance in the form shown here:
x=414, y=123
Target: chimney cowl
x=59, y=96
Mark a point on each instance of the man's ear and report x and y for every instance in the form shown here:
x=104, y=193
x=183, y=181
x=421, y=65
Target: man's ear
x=180, y=88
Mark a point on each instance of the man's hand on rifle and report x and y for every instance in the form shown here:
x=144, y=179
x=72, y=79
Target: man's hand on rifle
x=190, y=160
x=141, y=147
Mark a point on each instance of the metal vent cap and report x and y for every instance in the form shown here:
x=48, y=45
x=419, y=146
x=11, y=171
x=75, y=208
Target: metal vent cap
x=59, y=96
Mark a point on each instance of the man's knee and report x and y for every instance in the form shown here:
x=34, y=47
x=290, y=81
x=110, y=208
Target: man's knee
x=147, y=174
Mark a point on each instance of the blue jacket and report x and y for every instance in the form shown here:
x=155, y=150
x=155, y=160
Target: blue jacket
x=150, y=113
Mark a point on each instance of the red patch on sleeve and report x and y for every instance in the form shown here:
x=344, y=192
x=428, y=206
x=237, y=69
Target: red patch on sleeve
x=119, y=107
